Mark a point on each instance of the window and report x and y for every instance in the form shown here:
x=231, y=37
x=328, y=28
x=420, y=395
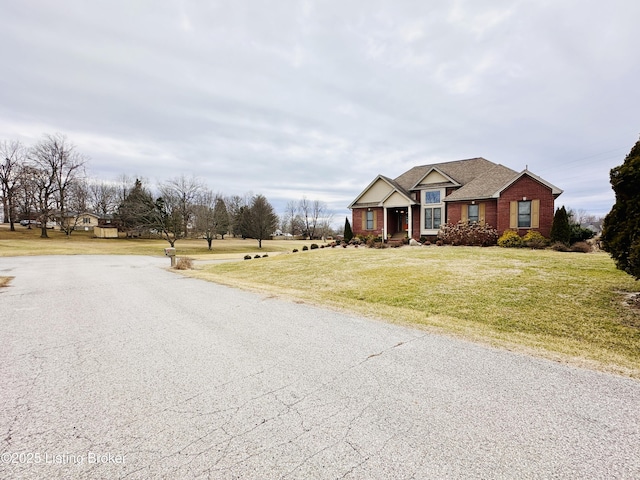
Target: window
x=433, y=210
x=473, y=213
x=524, y=214
x=369, y=220
x=432, y=218
x=432, y=196
x=86, y=220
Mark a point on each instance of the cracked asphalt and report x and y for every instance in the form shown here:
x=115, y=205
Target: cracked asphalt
x=113, y=367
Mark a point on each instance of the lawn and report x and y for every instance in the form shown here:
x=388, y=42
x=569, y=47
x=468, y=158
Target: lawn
x=569, y=307
x=26, y=241
x=565, y=306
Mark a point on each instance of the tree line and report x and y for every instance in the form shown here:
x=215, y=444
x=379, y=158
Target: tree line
x=48, y=182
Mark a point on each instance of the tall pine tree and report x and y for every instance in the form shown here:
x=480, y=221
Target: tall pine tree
x=348, y=233
x=560, y=228
x=621, y=227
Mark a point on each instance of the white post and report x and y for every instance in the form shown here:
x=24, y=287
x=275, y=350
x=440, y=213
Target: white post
x=384, y=226
x=409, y=222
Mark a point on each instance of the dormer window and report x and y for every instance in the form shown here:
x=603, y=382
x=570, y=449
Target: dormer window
x=432, y=196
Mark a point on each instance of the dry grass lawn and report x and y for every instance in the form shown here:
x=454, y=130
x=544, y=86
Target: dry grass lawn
x=26, y=241
x=569, y=307
x=565, y=306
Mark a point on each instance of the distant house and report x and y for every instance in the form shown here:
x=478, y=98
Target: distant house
x=417, y=202
x=80, y=221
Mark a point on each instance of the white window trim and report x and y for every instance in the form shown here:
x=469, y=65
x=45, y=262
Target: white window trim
x=423, y=205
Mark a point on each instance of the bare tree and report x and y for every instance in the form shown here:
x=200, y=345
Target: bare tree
x=311, y=212
x=26, y=194
x=58, y=167
x=205, y=222
x=182, y=193
x=14, y=156
x=103, y=197
x=291, y=221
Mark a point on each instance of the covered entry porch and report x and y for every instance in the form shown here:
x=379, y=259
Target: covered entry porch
x=399, y=221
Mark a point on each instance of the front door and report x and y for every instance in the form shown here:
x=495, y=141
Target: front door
x=403, y=221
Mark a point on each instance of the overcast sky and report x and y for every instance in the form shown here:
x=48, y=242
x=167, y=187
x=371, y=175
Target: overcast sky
x=290, y=98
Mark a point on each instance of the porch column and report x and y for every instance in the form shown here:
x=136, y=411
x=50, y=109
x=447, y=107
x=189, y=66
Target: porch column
x=409, y=221
x=384, y=224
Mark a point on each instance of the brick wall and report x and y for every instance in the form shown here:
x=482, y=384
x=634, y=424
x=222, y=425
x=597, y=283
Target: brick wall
x=454, y=211
x=357, y=215
x=531, y=189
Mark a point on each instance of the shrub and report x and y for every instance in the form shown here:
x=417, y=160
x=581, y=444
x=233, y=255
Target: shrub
x=294, y=250
x=314, y=246
x=373, y=242
x=257, y=256
x=265, y=255
x=510, y=239
x=580, y=234
x=534, y=239
x=247, y=257
x=582, y=247
x=305, y=248
x=439, y=243
x=184, y=263
x=468, y=233
x=560, y=247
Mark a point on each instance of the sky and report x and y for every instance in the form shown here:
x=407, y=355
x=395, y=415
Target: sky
x=293, y=98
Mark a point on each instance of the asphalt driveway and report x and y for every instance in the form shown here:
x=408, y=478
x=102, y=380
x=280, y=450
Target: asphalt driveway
x=112, y=367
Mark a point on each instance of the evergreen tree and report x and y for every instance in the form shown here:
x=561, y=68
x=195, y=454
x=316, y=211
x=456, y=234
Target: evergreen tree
x=262, y=220
x=221, y=217
x=621, y=227
x=136, y=210
x=348, y=233
x=560, y=229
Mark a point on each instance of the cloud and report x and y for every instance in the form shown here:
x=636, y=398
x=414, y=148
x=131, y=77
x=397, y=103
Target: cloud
x=289, y=97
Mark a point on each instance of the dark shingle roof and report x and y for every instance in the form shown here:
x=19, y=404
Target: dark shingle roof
x=461, y=171
x=486, y=185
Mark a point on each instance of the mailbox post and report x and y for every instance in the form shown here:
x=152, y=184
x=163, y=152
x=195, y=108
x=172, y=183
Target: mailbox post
x=171, y=253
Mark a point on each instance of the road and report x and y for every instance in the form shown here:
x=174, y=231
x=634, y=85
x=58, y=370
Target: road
x=114, y=367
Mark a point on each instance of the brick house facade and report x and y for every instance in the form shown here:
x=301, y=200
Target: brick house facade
x=419, y=201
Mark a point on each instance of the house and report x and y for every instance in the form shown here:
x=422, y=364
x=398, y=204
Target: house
x=417, y=202
x=81, y=221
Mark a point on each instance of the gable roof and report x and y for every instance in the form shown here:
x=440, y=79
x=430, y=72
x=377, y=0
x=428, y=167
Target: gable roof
x=460, y=171
x=554, y=190
x=394, y=187
x=485, y=185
